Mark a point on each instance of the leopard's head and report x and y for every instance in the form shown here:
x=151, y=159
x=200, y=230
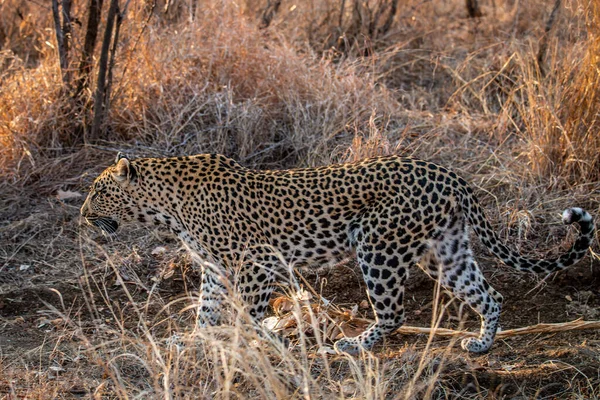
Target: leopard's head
x=109, y=201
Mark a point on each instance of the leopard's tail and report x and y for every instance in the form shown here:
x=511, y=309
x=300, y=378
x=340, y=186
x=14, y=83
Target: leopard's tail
x=488, y=237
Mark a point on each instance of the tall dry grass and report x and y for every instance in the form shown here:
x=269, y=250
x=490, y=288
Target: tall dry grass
x=206, y=77
x=210, y=83
x=138, y=345
x=561, y=119
x=237, y=95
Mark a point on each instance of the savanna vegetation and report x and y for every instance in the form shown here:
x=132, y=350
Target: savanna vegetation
x=504, y=92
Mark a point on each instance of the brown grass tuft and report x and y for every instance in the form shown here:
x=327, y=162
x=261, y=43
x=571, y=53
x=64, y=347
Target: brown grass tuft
x=562, y=123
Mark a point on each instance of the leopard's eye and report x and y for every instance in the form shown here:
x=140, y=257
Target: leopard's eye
x=97, y=193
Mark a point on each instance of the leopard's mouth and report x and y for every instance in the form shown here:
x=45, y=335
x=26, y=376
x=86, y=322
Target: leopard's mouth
x=107, y=224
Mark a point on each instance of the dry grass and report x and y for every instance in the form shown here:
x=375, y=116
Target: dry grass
x=131, y=343
x=319, y=85
x=121, y=336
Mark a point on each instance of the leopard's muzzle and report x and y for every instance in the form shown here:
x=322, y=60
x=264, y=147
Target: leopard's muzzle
x=107, y=224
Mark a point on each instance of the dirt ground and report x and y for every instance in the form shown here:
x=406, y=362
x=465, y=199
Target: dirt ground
x=47, y=253
x=548, y=365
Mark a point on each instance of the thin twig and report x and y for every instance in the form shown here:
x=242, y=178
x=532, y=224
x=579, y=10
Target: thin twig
x=137, y=41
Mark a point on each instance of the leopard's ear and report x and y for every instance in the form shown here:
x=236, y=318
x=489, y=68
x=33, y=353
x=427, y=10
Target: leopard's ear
x=119, y=156
x=123, y=172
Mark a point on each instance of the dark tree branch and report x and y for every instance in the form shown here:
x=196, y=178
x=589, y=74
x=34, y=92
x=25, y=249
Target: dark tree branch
x=113, y=52
x=60, y=40
x=341, y=20
x=67, y=35
x=139, y=38
x=390, y=18
x=99, y=104
x=91, y=37
x=269, y=13
x=473, y=8
x=63, y=36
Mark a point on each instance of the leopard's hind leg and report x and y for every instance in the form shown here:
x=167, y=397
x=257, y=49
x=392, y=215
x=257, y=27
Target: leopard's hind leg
x=385, y=253
x=453, y=264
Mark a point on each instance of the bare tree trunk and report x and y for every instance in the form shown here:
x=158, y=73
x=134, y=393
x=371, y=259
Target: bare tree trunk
x=91, y=37
x=99, y=98
x=390, y=18
x=63, y=34
x=113, y=52
x=269, y=13
x=341, y=19
x=473, y=8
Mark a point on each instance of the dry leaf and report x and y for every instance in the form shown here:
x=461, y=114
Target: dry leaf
x=168, y=274
x=303, y=294
x=348, y=387
x=282, y=305
x=270, y=323
x=57, y=322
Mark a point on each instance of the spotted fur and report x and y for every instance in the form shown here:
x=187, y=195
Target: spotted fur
x=392, y=212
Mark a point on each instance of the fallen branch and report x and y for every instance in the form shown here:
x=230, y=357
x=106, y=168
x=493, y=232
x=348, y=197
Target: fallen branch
x=346, y=323
x=336, y=323
x=575, y=325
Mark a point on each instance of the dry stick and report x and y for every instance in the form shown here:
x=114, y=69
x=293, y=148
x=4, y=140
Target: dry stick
x=67, y=32
x=390, y=18
x=341, y=19
x=575, y=325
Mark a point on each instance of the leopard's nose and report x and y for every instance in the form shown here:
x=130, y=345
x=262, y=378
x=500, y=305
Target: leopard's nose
x=84, y=209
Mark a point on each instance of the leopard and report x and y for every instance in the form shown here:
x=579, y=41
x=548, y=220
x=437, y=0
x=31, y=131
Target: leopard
x=390, y=213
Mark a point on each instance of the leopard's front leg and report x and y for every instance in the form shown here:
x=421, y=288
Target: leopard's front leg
x=212, y=293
